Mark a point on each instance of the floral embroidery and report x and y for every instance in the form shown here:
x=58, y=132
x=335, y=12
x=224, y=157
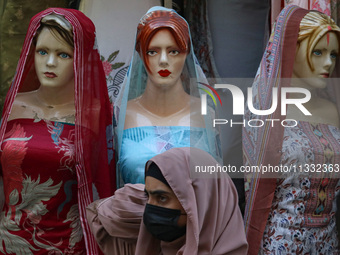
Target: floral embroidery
x=40, y=214
x=29, y=209
x=64, y=145
x=322, y=6
x=77, y=232
x=108, y=66
x=302, y=219
x=113, y=82
x=13, y=154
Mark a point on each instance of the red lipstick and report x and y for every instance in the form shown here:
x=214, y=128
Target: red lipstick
x=164, y=73
x=50, y=75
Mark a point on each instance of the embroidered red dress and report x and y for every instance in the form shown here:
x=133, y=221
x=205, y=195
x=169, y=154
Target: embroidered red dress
x=41, y=214
x=56, y=167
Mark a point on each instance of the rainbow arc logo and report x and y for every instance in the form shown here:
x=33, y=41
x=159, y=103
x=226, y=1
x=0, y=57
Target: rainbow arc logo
x=204, y=97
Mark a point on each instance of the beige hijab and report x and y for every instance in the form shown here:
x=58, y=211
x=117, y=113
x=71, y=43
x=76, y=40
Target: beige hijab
x=115, y=221
x=214, y=221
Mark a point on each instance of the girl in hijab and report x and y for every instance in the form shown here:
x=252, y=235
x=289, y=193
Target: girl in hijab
x=54, y=136
x=294, y=213
x=159, y=106
x=176, y=215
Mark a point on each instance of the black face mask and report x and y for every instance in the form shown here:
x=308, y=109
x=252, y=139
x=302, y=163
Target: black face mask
x=162, y=222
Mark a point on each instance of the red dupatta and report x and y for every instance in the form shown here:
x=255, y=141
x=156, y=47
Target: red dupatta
x=93, y=121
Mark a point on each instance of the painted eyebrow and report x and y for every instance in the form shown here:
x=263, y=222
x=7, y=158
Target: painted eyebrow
x=157, y=48
x=41, y=48
x=322, y=49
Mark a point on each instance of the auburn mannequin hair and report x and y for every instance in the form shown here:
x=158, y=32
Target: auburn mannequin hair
x=154, y=21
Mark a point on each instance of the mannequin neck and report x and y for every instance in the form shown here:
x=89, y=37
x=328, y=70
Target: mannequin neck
x=164, y=100
x=53, y=97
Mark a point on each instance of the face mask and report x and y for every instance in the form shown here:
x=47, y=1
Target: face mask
x=162, y=222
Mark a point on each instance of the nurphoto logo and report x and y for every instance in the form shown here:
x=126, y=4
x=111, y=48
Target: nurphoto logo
x=239, y=103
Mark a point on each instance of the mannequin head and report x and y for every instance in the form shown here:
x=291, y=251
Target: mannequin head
x=154, y=21
x=58, y=26
x=312, y=28
x=165, y=59
x=54, y=48
x=323, y=59
x=317, y=50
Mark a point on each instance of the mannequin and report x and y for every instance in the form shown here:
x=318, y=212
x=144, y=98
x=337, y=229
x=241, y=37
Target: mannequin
x=159, y=104
x=294, y=213
x=53, y=61
x=314, y=76
x=164, y=101
x=54, y=136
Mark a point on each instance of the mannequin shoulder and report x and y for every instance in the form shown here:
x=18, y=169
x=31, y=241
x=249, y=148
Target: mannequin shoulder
x=195, y=101
x=23, y=105
x=332, y=114
x=25, y=97
x=132, y=106
x=322, y=110
x=27, y=106
x=196, y=117
x=135, y=116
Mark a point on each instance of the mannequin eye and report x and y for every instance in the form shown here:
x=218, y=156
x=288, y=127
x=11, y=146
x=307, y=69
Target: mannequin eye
x=317, y=52
x=64, y=55
x=174, y=52
x=42, y=52
x=334, y=55
x=151, y=52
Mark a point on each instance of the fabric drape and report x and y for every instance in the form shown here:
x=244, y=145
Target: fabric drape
x=134, y=85
x=258, y=145
x=262, y=146
x=196, y=12
x=329, y=7
x=214, y=221
x=115, y=23
x=15, y=16
x=93, y=121
x=115, y=221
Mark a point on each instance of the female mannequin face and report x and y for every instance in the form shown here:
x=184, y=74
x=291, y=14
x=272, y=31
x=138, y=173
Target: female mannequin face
x=161, y=195
x=323, y=59
x=53, y=61
x=166, y=60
